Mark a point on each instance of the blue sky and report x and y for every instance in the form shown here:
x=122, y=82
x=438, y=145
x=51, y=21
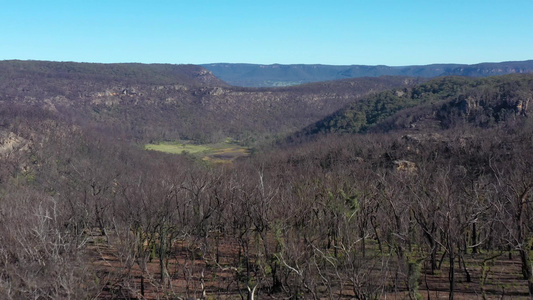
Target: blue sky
x=370, y=32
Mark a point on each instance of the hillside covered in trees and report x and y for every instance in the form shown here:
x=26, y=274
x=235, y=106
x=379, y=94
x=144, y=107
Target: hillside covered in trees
x=166, y=102
x=441, y=103
x=428, y=195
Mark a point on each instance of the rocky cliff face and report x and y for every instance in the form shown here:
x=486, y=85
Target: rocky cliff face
x=470, y=106
x=11, y=143
x=207, y=78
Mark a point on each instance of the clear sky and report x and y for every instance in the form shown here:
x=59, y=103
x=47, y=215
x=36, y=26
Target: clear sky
x=369, y=32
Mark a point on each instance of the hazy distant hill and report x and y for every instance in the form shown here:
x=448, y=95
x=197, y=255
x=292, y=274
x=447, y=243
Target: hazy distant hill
x=492, y=69
x=253, y=75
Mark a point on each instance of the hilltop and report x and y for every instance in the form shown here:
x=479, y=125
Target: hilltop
x=40, y=72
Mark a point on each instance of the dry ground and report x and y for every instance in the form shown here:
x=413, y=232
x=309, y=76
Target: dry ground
x=194, y=276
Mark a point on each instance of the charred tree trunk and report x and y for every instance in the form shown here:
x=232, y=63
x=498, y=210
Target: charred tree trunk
x=474, y=238
x=451, y=273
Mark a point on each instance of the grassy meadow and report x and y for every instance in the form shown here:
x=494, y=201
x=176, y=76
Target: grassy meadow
x=215, y=153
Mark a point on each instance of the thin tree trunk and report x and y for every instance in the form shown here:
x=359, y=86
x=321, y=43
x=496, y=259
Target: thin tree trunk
x=372, y=219
x=451, y=274
x=462, y=261
x=142, y=284
x=527, y=268
x=474, y=238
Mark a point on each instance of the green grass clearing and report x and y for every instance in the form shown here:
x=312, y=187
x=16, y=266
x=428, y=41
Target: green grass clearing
x=215, y=153
x=177, y=148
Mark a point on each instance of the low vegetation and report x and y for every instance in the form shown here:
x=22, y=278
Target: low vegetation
x=215, y=153
x=178, y=148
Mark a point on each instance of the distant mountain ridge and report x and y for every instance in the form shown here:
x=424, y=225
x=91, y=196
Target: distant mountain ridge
x=255, y=75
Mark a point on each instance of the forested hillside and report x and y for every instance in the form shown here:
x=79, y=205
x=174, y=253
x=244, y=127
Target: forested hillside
x=429, y=195
x=169, y=102
x=49, y=74
x=343, y=216
x=438, y=104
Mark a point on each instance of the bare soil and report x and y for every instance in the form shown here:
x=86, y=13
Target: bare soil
x=194, y=276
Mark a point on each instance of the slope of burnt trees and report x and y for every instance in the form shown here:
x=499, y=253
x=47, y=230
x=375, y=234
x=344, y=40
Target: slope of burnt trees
x=361, y=216
x=169, y=102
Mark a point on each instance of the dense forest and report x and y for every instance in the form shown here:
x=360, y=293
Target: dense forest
x=430, y=196
x=438, y=104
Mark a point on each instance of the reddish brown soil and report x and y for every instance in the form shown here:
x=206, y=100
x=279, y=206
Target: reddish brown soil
x=189, y=271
